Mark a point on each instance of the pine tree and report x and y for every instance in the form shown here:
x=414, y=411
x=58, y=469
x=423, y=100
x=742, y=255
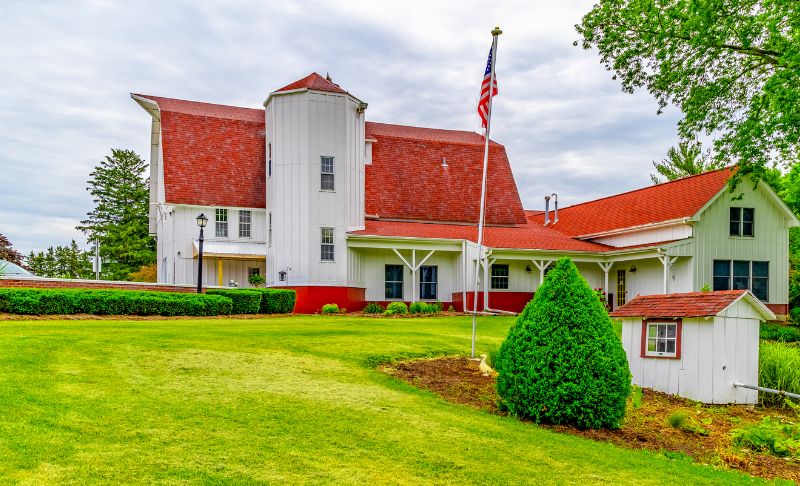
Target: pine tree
x=562, y=362
x=686, y=160
x=120, y=217
x=7, y=253
x=62, y=262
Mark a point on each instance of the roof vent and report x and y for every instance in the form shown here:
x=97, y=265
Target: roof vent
x=444, y=161
x=547, y=209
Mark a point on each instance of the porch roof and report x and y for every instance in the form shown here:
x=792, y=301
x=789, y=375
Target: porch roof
x=232, y=250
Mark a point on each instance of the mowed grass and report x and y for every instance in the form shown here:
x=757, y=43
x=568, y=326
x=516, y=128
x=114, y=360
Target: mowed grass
x=274, y=401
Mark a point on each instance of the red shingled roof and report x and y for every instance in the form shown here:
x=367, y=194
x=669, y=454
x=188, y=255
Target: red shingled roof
x=681, y=198
x=523, y=236
x=693, y=304
x=314, y=81
x=407, y=180
x=213, y=154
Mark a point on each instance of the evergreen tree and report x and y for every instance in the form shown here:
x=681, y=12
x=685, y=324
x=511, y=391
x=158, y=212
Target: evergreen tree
x=62, y=262
x=562, y=362
x=686, y=160
x=120, y=217
x=7, y=253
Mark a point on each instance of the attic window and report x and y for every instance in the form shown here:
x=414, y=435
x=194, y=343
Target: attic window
x=661, y=339
x=742, y=222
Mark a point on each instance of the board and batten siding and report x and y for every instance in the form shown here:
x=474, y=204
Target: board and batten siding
x=374, y=265
x=770, y=243
x=303, y=127
x=716, y=352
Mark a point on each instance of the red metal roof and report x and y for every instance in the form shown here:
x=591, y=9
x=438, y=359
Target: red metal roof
x=693, y=304
x=314, y=81
x=677, y=199
x=213, y=154
x=522, y=237
x=407, y=179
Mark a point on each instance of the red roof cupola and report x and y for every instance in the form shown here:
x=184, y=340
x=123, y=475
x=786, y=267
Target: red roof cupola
x=313, y=81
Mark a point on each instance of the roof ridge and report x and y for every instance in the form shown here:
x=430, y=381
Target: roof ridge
x=198, y=102
x=437, y=141
x=645, y=188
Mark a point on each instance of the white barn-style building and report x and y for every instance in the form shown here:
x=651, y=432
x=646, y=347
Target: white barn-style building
x=355, y=211
x=696, y=345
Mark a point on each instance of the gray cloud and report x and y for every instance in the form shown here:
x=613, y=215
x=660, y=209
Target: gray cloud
x=67, y=69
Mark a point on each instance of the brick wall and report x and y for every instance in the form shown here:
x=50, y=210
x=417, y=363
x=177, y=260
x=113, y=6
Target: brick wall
x=60, y=283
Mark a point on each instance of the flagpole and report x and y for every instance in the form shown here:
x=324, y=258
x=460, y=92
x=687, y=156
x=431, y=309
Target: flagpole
x=496, y=32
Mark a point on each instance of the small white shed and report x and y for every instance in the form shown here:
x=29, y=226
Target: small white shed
x=695, y=345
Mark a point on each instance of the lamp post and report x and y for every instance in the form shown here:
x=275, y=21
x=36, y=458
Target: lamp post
x=201, y=222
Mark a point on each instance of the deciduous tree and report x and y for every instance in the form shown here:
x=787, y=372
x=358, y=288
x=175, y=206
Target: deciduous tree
x=7, y=253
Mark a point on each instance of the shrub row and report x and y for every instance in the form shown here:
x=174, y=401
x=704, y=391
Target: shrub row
x=111, y=302
x=244, y=300
x=774, y=332
x=275, y=301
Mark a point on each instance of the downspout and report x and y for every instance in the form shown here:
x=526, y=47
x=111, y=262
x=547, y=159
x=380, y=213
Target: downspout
x=768, y=390
x=464, y=288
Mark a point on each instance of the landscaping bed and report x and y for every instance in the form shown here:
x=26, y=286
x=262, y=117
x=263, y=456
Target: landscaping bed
x=458, y=380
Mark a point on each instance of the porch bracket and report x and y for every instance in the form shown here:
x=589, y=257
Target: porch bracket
x=606, y=267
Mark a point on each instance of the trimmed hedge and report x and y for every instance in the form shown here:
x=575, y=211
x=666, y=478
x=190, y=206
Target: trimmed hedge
x=562, y=362
x=774, y=332
x=111, y=302
x=245, y=301
x=275, y=301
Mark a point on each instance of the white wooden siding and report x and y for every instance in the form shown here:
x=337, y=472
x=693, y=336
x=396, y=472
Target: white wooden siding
x=374, y=265
x=667, y=233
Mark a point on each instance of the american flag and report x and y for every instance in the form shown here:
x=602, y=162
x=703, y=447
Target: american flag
x=483, y=104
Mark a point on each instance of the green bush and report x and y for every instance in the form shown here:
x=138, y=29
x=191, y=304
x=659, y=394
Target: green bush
x=775, y=332
x=256, y=280
x=779, y=369
x=373, y=308
x=111, y=302
x=244, y=302
x=771, y=436
x=330, y=309
x=396, y=308
x=562, y=362
x=451, y=309
x=275, y=301
x=794, y=316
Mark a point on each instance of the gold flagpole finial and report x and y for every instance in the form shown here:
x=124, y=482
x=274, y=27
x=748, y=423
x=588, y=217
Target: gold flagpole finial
x=497, y=31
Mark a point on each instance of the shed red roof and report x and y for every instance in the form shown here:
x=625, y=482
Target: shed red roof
x=407, y=178
x=692, y=304
x=213, y=154
x=314, y=81
x=522, y=237
x=677, y=199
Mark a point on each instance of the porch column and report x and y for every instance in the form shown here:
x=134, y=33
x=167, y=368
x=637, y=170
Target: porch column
x=667, y=262
x=219, y=277
x=414, y=267
x=606, y=267
x=541, y=265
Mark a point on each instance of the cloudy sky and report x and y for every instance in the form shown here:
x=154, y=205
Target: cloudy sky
x=67, y=69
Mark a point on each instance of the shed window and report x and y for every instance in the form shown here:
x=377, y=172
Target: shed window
x=661, y=339
x=221, y=223
x=500, y=277
x=394, y=282
x=326, y=174
x=327, y=245
x=244, y=224
x=742, y=222
x=428, y=282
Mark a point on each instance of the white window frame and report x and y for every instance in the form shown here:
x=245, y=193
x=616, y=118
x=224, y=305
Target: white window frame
x=322, y=174
x=220, y=225
x=401, y=282
x=245, y=226
x=496, y=279
x=269, y=163
x=327, y=240
x=655, y=340
x=434, y=284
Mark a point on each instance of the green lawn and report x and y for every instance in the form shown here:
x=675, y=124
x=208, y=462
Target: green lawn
x=273, y=401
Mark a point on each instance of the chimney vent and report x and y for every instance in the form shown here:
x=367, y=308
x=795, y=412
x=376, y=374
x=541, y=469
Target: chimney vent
x=444, y=161
x=555, y=208
x=546, y=210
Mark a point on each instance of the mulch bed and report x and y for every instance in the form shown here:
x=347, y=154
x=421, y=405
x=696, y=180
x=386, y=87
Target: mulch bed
x=458, y=380
x=406, y=316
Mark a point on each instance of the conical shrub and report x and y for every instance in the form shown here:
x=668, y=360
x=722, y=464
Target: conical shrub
x=562, y=362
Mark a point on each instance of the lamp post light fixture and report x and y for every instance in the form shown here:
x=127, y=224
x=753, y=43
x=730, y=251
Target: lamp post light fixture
x=202, y=221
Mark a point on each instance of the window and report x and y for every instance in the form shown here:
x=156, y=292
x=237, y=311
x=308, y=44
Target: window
x=253, y=271
x=244, y=224
x=742, y=222
x=269, y=164
x=661, y=339
x=269, y=230
x=394, y=282
x=222, y=222
x=428, y=281
x=620, y=288
x=500, y=277
x=327, y=245
x=326, y=174
x=740, y=275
